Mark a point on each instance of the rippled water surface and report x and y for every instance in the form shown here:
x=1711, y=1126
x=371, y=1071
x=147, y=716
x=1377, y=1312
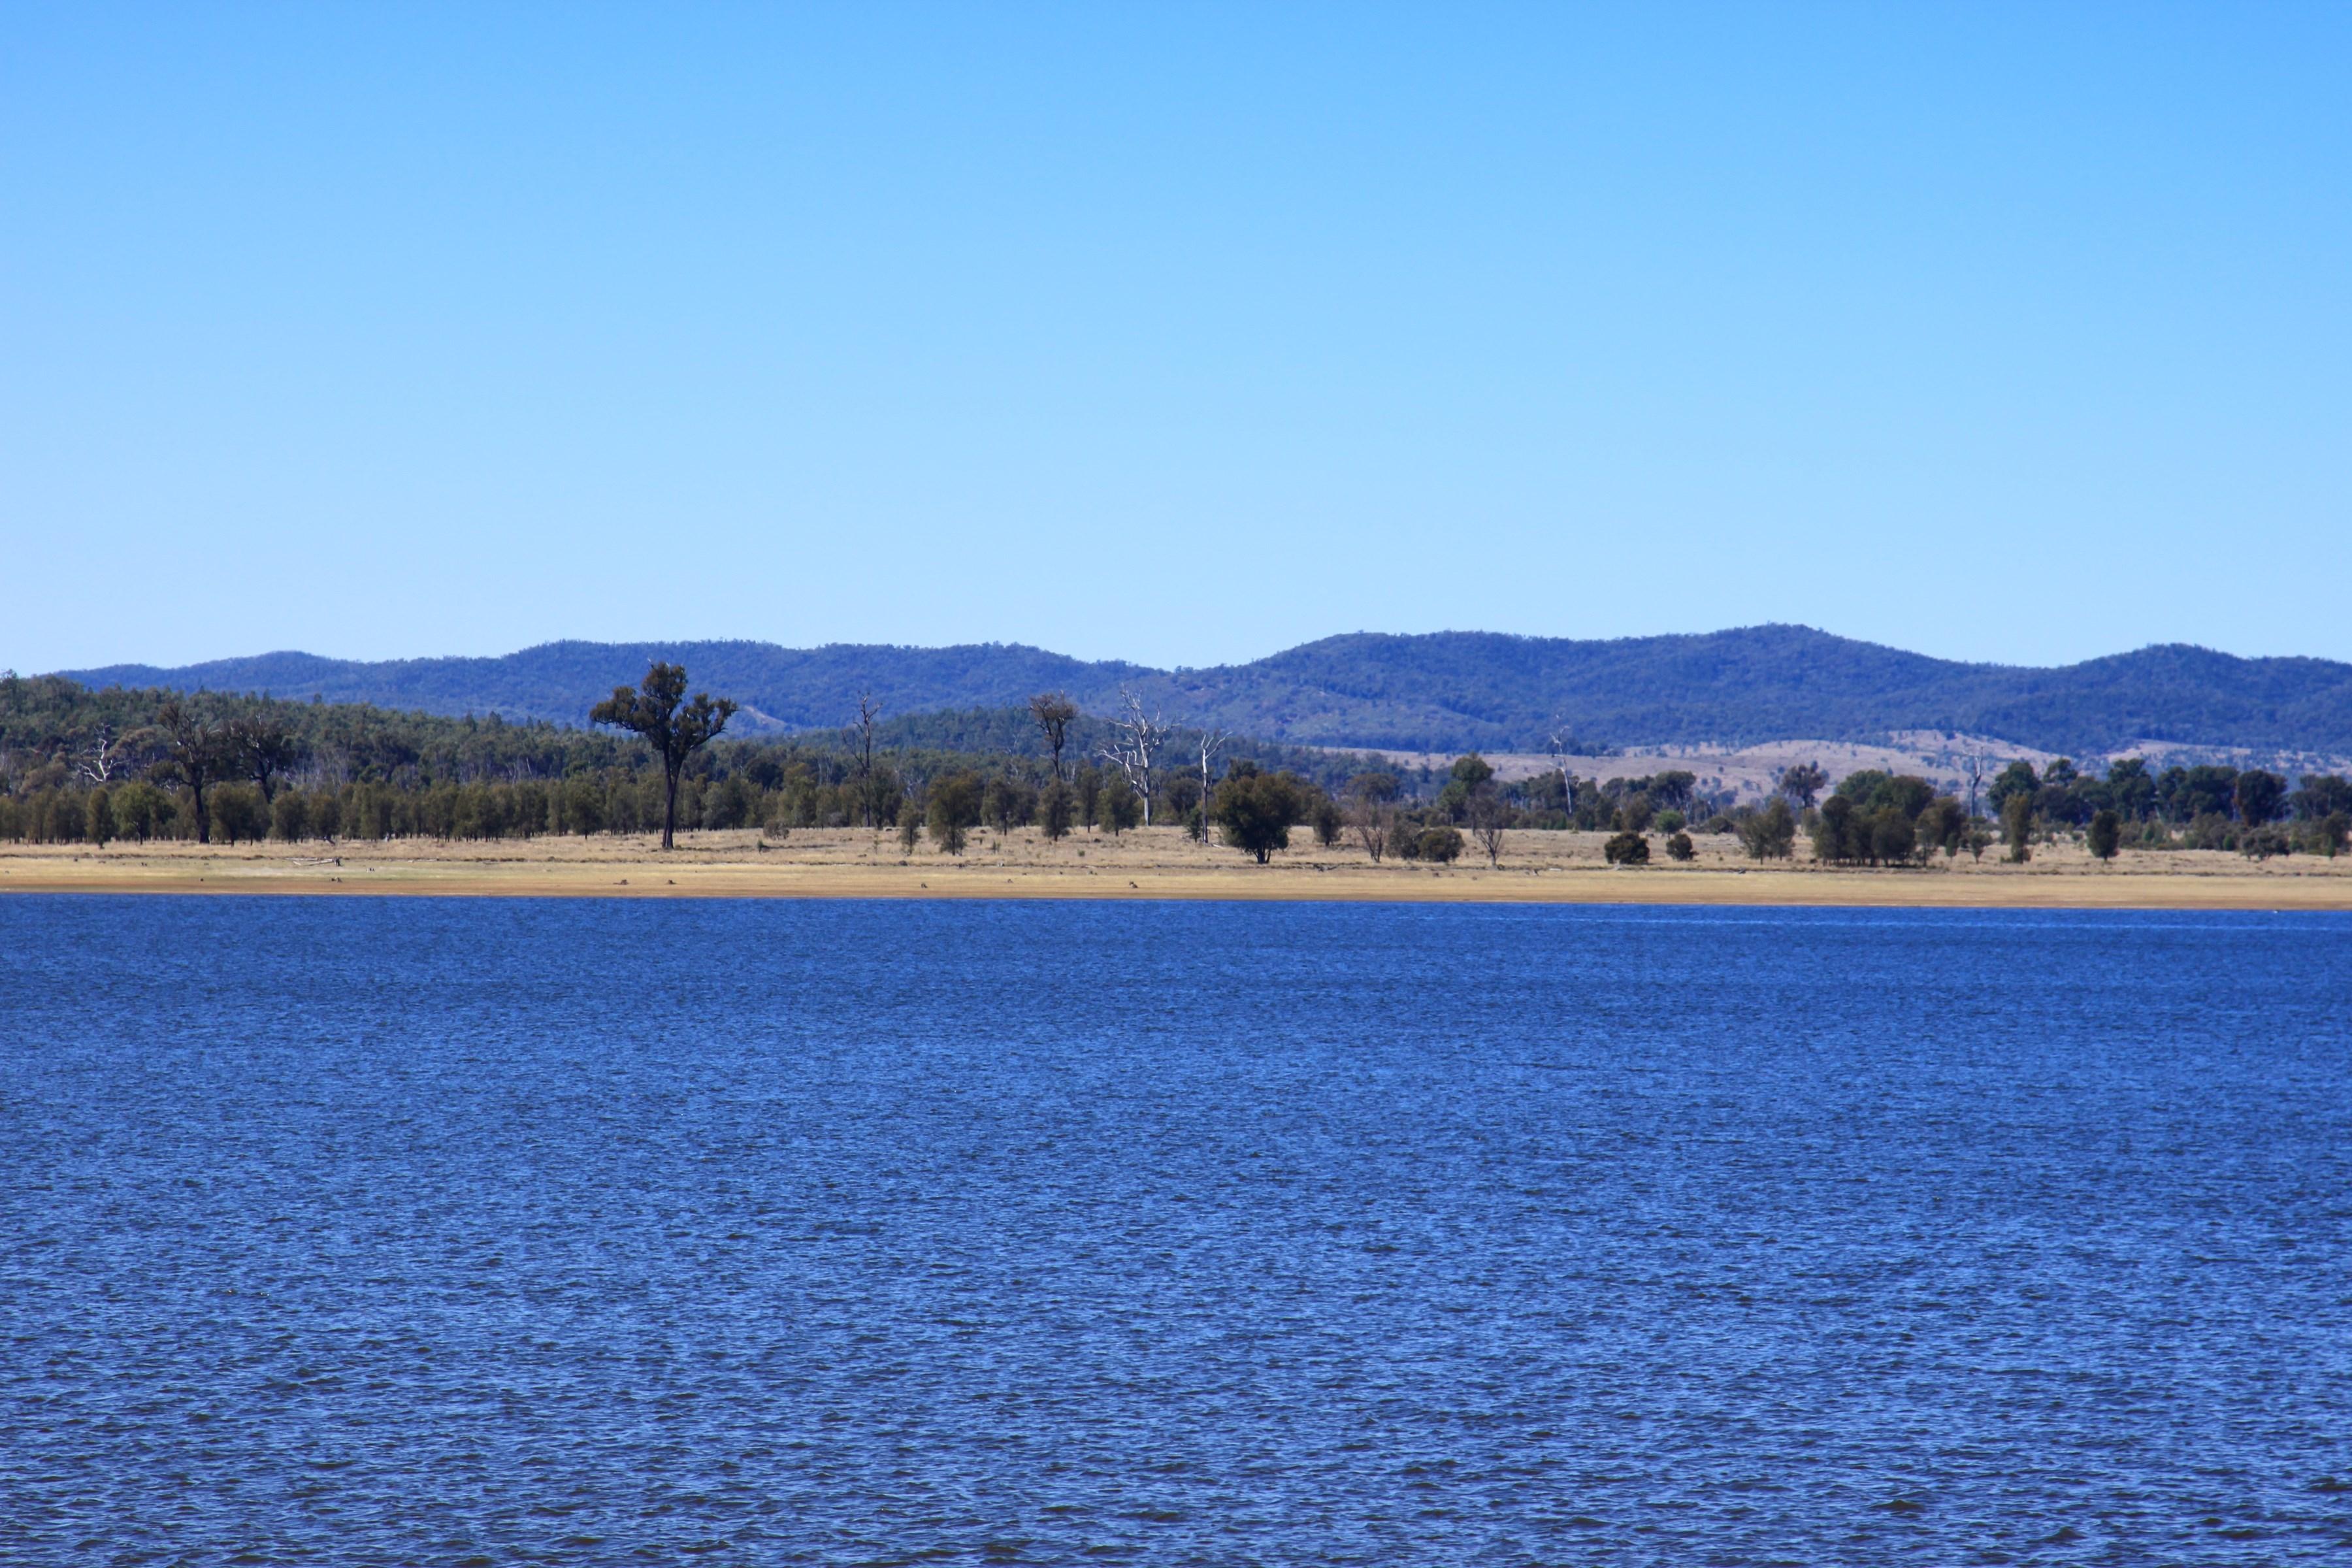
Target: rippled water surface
x=392, y=1231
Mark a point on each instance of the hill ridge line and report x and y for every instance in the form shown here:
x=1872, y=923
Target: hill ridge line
x=1424, y=691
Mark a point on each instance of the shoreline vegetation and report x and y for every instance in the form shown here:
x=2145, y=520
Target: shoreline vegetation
x=1159, y=863
x=160, y=791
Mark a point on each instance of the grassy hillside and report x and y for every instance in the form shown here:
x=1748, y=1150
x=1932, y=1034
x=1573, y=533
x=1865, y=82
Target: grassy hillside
x=1446, y=692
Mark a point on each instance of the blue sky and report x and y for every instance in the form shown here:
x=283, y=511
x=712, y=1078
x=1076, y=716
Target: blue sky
x=1177, y=333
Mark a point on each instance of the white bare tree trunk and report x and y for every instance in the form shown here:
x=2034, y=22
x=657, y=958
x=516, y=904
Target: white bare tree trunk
x=1137, y=740
x=105, y=756
x=1567, y=781
x=1211, y=742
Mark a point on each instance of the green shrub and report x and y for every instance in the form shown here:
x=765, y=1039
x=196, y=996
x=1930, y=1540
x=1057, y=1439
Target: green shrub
x=2210, y=830
x=141, y=810
x=1627, y=848
x=2328, y=836
x=1055, y=811
x=2262, y=843
x=2017, y=822
x=1255, y=809
x=237, y=812
x=289, y=816
x=1770, y=833
x=1116, y=806
x=2104, y=835
x=952, y=810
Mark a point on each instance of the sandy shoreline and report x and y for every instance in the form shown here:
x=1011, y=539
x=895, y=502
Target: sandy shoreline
x=1538, y=867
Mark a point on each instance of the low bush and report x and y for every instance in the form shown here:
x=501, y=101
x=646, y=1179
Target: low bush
x=1443, y=844
x=2262, y=843
x=1627, y=849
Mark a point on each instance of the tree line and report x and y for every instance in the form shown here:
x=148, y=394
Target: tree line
x=87, y=766
x=84, y=766
x=1878, y=818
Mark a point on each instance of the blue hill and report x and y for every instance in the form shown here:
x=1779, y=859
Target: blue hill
x=1442, y=691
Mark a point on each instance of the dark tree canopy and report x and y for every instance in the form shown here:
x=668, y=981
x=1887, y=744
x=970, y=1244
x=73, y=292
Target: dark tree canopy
x=2259, y=795
x=2017, y=827
x=1055, y=811
x=196, y=753
x=1872, y=790
x=2131, y=787
x=264, y=749
x=1942, y=825
x=1803, y=784
x=656, y=709
x=1628, y=848
x=2323, y=795
x=2204, y=790
x=2017, y=778
x=1255, y=810
x=1052, y=713
x=1116, y=805
x=1770, y=834
x=1440, y=844
x=954, y=809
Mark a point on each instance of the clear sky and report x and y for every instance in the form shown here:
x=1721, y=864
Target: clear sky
x=1178, y=334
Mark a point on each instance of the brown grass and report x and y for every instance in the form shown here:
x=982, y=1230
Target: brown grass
x=1538, y=867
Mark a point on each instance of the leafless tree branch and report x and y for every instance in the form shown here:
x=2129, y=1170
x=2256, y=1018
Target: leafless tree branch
x=1137, y=740
x=105, y=756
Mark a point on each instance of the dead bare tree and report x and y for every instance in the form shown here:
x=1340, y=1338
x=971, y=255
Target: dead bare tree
x=1371, y=812
x=1211, y=742
x=1053, y=711
x=869, y=710
x=105, y=756
x=1558, y=744
x=1489, y=815
x=1137, y=740
x=1972, y=769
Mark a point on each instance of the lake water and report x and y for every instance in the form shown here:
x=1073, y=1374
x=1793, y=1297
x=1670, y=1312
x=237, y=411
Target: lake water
x=421, y=1231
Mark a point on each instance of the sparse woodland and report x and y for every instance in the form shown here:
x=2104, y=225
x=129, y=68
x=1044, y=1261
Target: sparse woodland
x=98, y=767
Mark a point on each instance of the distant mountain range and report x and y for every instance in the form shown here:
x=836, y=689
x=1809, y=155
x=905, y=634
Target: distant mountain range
x=1441, y=692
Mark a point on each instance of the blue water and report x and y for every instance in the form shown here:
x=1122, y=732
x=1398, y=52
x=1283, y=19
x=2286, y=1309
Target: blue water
x=390, y=1231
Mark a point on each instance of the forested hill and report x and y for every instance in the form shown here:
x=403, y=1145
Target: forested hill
x=1445, y=692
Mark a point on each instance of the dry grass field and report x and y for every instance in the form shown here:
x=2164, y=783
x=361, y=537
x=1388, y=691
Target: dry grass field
x=1159, y=863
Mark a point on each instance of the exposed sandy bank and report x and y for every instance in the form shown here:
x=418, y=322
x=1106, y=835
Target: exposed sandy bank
x=1538, y=867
